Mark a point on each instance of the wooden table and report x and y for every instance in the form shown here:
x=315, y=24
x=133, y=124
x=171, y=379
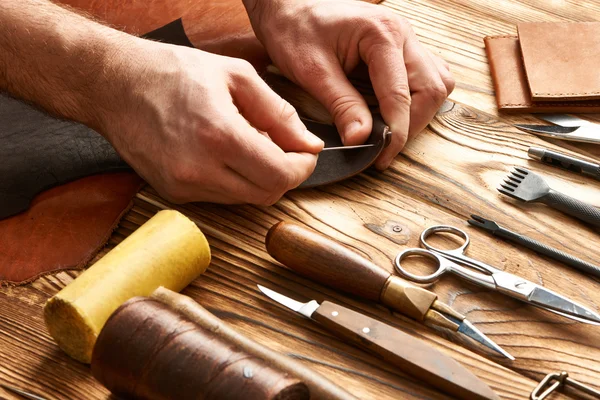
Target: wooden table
x=448, y=172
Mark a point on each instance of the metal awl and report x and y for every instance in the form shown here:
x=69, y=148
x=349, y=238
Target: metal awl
x=360, y=146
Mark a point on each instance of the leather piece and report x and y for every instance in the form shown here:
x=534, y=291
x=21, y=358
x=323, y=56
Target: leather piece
x=561, y=59
x=64, y=227
x=39, y=151
x=510, y=81
x=336, y=165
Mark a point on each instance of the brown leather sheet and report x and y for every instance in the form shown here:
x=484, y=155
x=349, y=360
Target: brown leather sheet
x=64, y=227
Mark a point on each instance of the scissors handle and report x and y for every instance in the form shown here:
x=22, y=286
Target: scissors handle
x=432, y=230
x=443, y=265
x=424, y=253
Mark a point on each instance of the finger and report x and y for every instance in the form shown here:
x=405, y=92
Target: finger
x=265, y=164
x=427, y=87
x=390, y=83
x=328, y=83
x=444, y=71
x=268, y=112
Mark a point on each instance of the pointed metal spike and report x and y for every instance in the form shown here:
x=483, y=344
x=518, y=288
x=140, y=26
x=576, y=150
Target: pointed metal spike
x=505, y=192
x=512, y=178
x=510, y=189
x=517, y=175
x=468, y=329
x=478, y=218
x=511, y=183
x=522, y=170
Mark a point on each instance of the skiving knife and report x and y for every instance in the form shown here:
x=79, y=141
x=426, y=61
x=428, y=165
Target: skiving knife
x=411, y=355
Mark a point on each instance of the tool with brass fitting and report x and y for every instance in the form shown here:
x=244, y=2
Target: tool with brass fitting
x=323, y=260
x=556, y=381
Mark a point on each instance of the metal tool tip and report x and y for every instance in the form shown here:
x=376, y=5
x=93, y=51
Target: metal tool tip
x=522, y=170
x=536, y=153
x=469, y=329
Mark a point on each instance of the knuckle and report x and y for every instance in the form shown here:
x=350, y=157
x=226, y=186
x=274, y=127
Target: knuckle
x=342, y=104
x=398, y=94
x=386, y=25
x=241, y=69
x=286, y=112
x=437, y=92
x=181, y=175
x=449, y=82
x=313, y=70
x=276, y=188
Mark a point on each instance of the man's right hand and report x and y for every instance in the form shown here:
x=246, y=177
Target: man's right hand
x=203, y=127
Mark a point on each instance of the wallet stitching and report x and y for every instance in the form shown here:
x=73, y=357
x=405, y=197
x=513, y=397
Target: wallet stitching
x=550, y=105
x=564, y=94
x=501, y=37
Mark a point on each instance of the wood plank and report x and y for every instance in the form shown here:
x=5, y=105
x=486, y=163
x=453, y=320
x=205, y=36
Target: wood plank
x=448, y=172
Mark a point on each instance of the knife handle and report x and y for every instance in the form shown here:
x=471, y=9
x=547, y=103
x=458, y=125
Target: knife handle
x=406, y=352
x=323, y=260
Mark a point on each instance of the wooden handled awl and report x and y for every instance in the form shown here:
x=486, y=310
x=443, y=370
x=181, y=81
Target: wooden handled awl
x=323, y=260
x=411, y=355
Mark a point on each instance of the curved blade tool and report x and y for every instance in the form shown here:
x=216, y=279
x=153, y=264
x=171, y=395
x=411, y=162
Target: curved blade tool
x=411, y=355
x=587, y=133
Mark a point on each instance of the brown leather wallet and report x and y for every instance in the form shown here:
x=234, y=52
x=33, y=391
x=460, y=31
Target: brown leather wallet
x=561, y=60
x=512, y=80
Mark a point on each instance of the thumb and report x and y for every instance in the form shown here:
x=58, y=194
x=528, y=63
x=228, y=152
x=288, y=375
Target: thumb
x=268, y=112
x=346, y=105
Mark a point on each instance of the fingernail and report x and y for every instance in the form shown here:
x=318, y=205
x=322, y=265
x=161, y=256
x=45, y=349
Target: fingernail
x=351, y=129
x=313, y=139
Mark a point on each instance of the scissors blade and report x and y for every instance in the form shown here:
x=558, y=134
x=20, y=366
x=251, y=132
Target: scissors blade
x=554, y=302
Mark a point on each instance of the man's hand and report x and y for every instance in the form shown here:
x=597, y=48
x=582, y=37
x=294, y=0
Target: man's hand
x=197, y=126
x=316, y=43
x=203, y=127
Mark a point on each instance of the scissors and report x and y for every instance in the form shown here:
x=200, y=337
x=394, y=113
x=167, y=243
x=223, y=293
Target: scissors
x=455, y=261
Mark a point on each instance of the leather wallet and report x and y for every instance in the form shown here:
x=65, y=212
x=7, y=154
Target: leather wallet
x=517, y=68
x=561, y=60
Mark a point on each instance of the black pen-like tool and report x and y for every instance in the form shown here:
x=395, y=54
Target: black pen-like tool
x=564, y=161
x=534, y=245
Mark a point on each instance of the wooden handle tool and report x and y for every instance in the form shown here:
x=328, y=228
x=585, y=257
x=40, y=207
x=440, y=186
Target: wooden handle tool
x=325, y=261
x=411, y=355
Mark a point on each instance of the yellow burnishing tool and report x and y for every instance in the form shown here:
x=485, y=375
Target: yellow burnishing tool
x=169, y=250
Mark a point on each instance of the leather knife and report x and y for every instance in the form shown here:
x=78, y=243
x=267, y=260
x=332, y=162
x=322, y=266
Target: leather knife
x=410, y=354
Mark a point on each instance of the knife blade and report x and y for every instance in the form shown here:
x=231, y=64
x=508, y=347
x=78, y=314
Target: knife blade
x=325, y=261
x=410, y=354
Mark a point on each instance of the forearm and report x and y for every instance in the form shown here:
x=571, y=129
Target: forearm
x=58, y=59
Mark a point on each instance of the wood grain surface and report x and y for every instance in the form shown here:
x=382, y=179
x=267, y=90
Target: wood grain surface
x=448, y=172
